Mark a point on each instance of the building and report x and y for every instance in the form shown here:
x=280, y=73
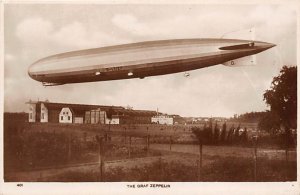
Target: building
x=45, y=111
x=162, y=119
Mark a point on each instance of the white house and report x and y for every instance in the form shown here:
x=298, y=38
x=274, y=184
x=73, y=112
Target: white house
x=114, y=121
x=32, y=113
x=162, y=119
x=65, y=115
x=44, y=113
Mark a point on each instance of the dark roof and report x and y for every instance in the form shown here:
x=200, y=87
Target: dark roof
x=78, y=107
x=138, y=112
x=81, y=108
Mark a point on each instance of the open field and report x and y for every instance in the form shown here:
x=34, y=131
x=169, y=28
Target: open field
x=57, y=152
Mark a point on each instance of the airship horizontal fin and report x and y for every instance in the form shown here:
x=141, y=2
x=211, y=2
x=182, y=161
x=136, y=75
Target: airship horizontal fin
x=244, y=61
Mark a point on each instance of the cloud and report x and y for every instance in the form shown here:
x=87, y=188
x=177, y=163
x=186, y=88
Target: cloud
x=38, y=32
x=36, y=29
x=216, y=91
x=131, y=24
x=9, y=57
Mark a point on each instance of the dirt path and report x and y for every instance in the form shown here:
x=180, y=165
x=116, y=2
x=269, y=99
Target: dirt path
x=126, y=164
x=224, y=151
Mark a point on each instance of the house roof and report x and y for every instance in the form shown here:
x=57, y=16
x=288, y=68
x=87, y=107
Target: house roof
x=81, y=108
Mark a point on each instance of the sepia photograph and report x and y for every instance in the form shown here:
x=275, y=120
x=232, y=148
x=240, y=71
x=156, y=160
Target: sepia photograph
x=145, y=92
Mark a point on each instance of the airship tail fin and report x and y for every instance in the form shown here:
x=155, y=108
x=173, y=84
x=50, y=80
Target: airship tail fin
x=244, y=61
x=245, y=34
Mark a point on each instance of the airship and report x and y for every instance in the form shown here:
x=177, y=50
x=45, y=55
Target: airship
x=144, y=59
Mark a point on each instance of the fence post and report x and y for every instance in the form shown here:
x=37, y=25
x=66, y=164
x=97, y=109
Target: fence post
x=69, y=147
x=170, y=143
x=255, y=158
x=125, y=135
x=286, y=154
x=200, y=160
x=160, y=165
x=100, y=158
x=129, y=146
x=198, y=167
x=148, y=143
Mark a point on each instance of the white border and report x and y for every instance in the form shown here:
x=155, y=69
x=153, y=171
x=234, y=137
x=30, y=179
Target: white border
x=231, y=188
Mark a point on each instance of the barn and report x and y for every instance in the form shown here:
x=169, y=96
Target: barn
x=50, y=112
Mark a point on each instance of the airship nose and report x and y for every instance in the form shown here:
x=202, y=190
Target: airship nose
x=32, y=71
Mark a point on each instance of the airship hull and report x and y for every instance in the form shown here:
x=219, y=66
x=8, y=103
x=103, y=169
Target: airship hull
x=139, y=60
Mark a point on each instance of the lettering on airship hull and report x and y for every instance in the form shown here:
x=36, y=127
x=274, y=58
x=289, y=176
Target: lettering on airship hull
x=113, y=69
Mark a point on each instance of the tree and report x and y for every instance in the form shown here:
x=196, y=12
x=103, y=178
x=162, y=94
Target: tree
x=282, y=99
x=203, y=135
x=109, y=113
x=230, y=134
x=223, y=133
x=270, y=122
x=237, y=133
x=244, y=136
x=216, y=133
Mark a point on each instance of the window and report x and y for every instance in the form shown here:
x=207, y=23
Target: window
x=61, y=118
x=42, y=116
x=69, y=118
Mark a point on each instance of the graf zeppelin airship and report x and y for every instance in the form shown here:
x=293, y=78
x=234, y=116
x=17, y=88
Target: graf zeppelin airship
x=143, y=59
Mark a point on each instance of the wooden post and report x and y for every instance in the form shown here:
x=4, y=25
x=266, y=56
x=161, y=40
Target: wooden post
x=69, y=147
x=170, y=143
x=286, y=153
x=148, y=143
x=255, y=158
x=105, y=136
x=125, y=136
x=129, y=146
x=198, y=168
x=200, y=160
x=100, y=158
x=160, y=165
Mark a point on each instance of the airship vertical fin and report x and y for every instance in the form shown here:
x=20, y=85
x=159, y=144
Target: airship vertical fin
x=248, y=34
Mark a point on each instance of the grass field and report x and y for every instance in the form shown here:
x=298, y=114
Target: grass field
x=222, y=169
x=38, y=146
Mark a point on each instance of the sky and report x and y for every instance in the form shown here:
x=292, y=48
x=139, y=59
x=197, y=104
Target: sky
x=34, y=31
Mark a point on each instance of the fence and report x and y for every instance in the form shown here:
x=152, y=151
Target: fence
x=33, y=150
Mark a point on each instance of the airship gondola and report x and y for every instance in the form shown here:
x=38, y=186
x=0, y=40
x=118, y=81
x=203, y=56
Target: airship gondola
x=143, y=59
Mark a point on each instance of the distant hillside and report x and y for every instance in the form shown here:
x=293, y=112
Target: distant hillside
x=251, y=117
